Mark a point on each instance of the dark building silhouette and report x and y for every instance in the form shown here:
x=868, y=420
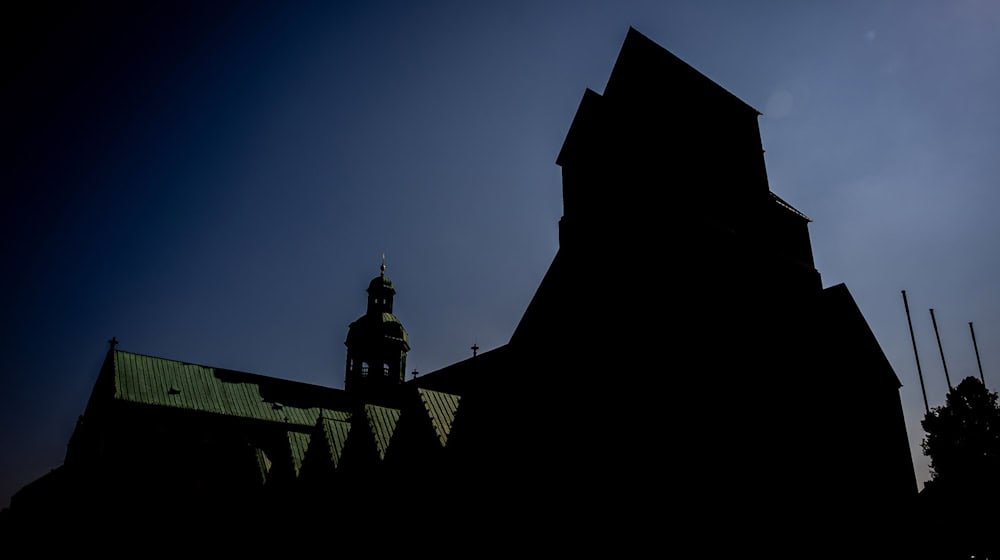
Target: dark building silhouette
x=680, y=371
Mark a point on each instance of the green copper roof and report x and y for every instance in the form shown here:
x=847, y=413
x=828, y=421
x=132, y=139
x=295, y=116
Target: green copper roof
x=384, y=324
x=162, y=382
x=441, y=407
x=381, y=282
x=263, y=463
x=390, y=318
x=382, y=423
x=335, y=432
x=298, y=443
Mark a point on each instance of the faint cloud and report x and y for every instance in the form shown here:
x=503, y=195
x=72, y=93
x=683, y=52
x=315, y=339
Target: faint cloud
x=780, y=104
x=870, y=36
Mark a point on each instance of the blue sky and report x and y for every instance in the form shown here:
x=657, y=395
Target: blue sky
x=217, y=184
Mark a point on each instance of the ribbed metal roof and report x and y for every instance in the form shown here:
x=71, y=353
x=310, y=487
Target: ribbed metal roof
x=381, y=282
x=335, y=432
x=263, y=464
x=377, y=325
x=382, y=423
x=298, y=443
x=158, y=381
x=441, y=407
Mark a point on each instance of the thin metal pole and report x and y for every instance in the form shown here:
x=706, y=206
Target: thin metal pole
x=976, y=346
x=941, y=349
x=913, y=339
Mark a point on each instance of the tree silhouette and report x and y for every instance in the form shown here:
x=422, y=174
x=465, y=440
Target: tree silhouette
x=963, y=439
x=963, y=442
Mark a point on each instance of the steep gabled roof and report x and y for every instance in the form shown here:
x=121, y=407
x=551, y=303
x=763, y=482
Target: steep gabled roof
x=848, y=329
x=643, y=66
x=647, y=84
x=298, y=444
x=382, y=422
x=441, y=407
x=335, y=434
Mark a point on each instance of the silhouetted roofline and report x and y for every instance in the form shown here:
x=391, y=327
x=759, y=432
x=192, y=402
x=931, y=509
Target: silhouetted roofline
x=586, y=111
x=133, y=379
x=637, y=44
x=842, y=307
x=249, y=375
x=781, y=202
x=454, y=378
x=643, y=72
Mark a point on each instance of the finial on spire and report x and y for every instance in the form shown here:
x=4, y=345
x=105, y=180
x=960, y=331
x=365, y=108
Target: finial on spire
x=382, y=268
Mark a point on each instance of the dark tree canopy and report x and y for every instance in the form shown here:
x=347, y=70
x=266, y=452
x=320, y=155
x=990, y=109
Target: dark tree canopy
x=963, y=437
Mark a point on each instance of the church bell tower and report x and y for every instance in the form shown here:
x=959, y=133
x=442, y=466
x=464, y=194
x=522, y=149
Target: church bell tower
x=376, y=343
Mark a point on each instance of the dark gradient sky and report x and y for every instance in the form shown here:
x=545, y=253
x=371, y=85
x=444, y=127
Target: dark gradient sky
x=216, y=184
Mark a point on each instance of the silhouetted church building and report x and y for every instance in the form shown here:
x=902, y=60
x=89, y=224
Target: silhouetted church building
x=680, y=351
